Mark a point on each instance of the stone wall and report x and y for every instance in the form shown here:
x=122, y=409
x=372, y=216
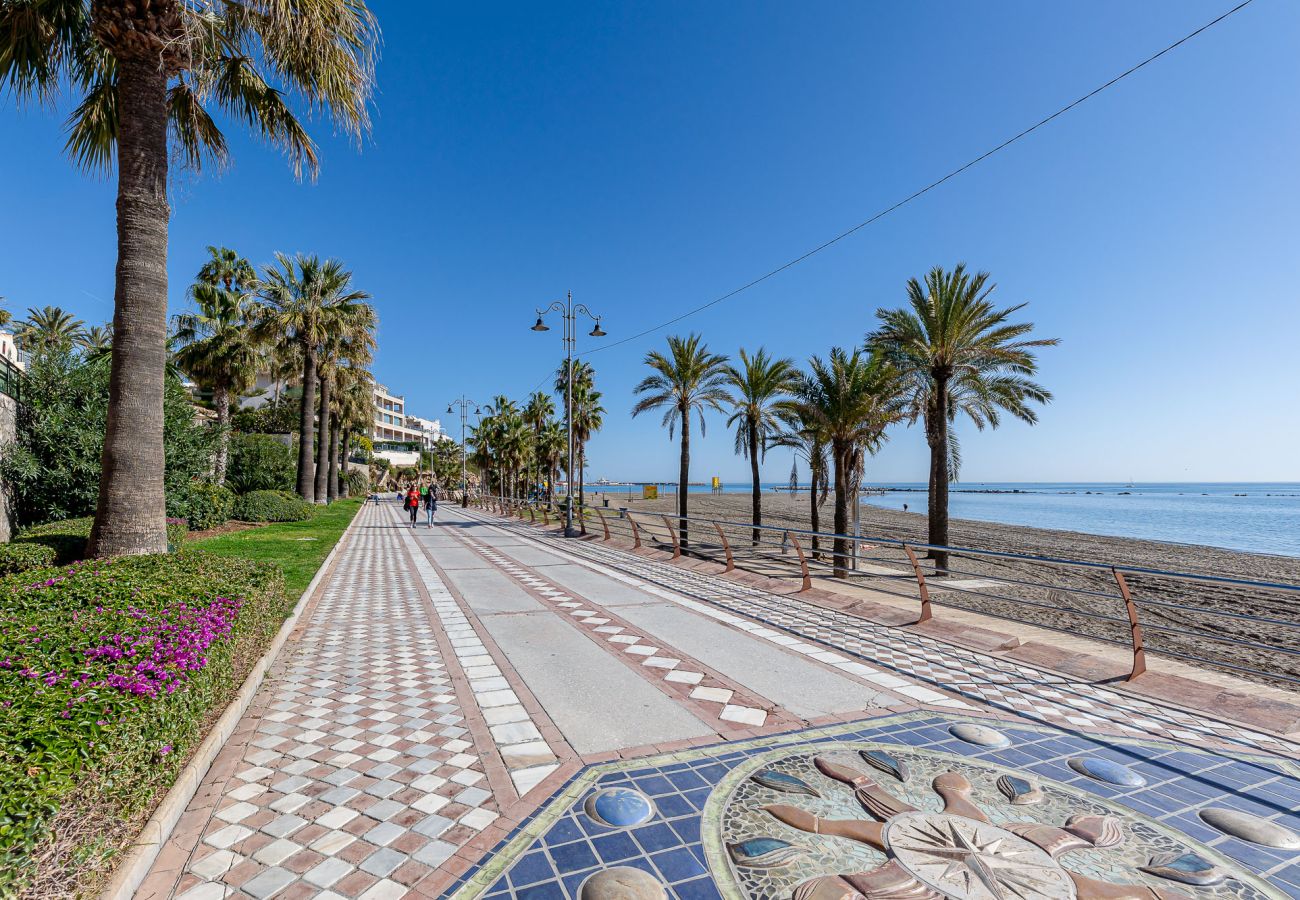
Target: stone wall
x=8, y=433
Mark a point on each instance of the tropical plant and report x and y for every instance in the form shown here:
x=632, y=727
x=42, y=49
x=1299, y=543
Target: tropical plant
x=690, y=379
x=588, y=418
x=344, y=355
x=217, y=344
x=537, y=412
x=849, y=400
x=308, y=302
x=761, y=386
x=96, y=339
x=803, y=435
x=228, y=269
x=149, y=75
x=552, y=448
x=49, y=330
x=958, y=354
x=354, y=414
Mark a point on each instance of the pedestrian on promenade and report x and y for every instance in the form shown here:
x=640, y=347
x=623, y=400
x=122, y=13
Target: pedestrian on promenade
x=413, y=504
x=431, y=503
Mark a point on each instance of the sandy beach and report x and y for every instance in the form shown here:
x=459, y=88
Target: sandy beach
x=780, y=508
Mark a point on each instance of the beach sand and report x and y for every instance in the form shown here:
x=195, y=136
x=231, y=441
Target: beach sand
x=780, y=508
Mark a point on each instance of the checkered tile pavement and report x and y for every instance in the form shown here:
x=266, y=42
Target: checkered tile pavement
x=999, y=683
x=361, y=777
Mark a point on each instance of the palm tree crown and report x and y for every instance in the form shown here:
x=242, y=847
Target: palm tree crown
x=958, y=354
x=50, y=329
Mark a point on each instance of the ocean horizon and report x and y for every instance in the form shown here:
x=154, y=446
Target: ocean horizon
x=1255, y=517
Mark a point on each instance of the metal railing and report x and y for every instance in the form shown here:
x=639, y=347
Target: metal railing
x=1244, y=626
x=11, y=379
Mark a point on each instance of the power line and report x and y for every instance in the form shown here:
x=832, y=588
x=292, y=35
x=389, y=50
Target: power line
x=929, y=187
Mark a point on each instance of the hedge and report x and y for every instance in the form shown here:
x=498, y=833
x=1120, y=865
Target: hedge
x=68, y=538
x=203, y=504
x=272, y=506
x=110, y=673
x=19, y=557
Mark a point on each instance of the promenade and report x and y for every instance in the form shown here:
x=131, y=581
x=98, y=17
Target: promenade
x=485, y=709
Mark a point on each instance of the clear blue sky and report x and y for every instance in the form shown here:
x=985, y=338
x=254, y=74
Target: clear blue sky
x=652, y=157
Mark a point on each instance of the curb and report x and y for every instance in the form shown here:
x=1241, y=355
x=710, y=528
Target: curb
x=147, y=845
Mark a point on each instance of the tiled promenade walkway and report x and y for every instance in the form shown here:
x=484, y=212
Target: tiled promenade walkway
x=484, y=709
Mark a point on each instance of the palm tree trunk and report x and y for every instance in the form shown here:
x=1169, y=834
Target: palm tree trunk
x=841, y=549
x=684, y=477
x=221, y=399
x=938, y=511
x=345, y=441
x=753, y=470
x=814, y=514
x=306, y=426
x=332, y=488
x=130, y=517
x=323, y=441
x=582, y=487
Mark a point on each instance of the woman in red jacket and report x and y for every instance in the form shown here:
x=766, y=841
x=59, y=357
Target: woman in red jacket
x=413, y=504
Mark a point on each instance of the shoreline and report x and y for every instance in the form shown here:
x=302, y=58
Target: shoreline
x=1041, y=583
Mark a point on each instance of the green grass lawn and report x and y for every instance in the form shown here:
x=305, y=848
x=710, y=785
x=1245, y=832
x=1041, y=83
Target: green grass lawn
x=298, y=548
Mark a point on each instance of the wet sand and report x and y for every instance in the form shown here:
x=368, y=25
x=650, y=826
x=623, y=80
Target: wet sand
x=1063, y=608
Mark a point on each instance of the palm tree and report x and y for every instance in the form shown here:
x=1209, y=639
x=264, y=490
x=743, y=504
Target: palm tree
x=959, y=355
x=220, y=352
x=588, y=418
x=803, y=435
x=552, y=447
x=760, y=384
x=305, y=301
x=537, y=412
x=355, y=411
x=849, y=400
x=349, y=342
x=147, y=78
x=96, y=339
x=49, y=330
x=227, y=268
x=689, y=379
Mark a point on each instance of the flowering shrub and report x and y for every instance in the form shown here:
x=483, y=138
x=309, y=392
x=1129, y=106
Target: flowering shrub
x=109, y=673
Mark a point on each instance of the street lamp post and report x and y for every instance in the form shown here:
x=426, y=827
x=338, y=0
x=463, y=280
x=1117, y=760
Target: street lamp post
x=463, y=404
x=568, y=311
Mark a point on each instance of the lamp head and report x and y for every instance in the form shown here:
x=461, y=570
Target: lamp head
x=540, y=326
x=597, y=332
x=448, y=408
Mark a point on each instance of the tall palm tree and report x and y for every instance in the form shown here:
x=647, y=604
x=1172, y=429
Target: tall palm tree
x=690, y=379
x=552, y=446
x=227, y=268
x=588, y=418
x=305, y=301
x=349, y=341
x=537, y=412
x=147, y=78
x=352, y=401
x=218, y=349
x=96, y=339
x=850, y=399
x=49, y=329
x=760, y=386
x=959, y=354
x=804, y=436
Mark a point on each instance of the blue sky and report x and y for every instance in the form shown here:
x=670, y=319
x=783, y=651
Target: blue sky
x=651, y=157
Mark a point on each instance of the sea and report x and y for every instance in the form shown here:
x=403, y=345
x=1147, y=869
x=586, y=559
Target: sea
x=1255, y=517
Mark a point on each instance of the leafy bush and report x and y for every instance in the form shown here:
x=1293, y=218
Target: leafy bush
x=259, y=462
x=358, y=483
x=273, y=506
x=108, y=673
x=53, y=465
x=68, y=538
x=272, y=417
x=203, y=504
x=19, y=557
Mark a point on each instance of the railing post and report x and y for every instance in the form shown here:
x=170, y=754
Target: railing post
x=926, y=612
x=726, y=548
x=803, y=563
x=603, y=523
x=1135, y=627
x=636, y=534
x=677, y=546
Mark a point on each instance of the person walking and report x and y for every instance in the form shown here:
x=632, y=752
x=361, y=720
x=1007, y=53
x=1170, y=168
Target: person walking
x=413, y=504
x=431, y=503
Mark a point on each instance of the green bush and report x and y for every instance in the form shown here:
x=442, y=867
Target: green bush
x=203, y=504
x=108, y=674
x=259, y=462
x=53, y=466
x=272, y=506
x=20, y=557
x=358, y=483
x=68, y=538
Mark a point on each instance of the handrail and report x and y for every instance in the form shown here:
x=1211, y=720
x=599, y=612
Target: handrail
x=1174, y=622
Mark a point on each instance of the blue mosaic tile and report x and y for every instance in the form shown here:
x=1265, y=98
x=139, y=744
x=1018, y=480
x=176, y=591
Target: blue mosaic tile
x=613, y=848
